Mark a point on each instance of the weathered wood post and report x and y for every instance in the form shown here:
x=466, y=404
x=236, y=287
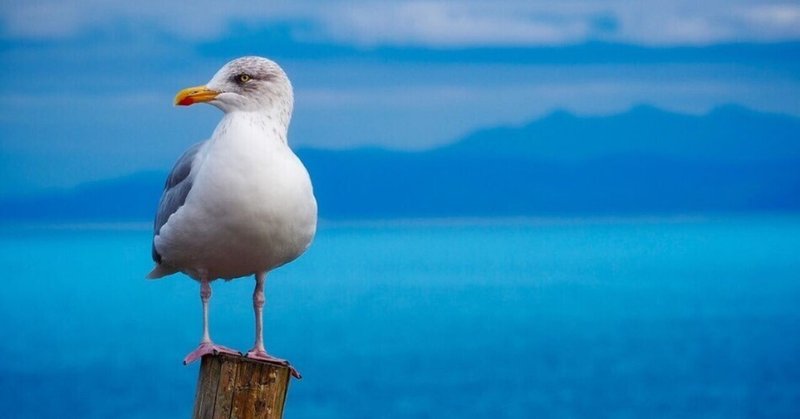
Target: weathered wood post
x=237, y=387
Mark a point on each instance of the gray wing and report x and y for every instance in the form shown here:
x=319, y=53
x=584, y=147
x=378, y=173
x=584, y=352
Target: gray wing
x=177, y=187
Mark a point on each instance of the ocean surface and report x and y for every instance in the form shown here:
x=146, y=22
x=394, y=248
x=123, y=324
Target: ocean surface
x=599, y=318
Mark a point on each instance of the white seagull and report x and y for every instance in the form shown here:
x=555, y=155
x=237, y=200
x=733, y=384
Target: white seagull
x=240, y=203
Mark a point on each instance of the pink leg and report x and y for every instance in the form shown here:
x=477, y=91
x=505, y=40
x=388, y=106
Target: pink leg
x=206, y=345
x=258, y=351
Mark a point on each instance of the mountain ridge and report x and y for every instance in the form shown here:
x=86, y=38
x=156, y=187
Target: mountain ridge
x=643, y=161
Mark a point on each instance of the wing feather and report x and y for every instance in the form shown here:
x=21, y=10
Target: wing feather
x=176, y=189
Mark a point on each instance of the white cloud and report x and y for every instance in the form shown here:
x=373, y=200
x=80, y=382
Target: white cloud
x=199, y=19
x=772, y=21
x=434, y=23
x=446, y=24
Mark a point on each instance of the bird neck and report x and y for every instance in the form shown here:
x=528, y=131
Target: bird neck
x=269, y=125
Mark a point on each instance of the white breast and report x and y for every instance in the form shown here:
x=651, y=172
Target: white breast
x=251, y=207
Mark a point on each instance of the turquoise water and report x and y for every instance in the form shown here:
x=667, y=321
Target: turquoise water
x=683, y=318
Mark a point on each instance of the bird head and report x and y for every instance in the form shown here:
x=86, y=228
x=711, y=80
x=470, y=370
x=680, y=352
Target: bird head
x=246, y=84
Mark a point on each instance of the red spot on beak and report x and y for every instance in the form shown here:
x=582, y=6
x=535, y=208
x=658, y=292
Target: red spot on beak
x=186, y=101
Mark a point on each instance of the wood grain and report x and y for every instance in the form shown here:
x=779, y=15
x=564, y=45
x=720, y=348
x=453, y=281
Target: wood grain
x=237, y=387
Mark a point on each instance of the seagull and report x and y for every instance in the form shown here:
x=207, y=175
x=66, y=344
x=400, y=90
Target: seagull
x=240, y=203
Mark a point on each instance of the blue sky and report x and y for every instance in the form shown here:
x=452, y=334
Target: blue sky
x=87, y=85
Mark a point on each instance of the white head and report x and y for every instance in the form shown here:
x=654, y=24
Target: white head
x=250, y=84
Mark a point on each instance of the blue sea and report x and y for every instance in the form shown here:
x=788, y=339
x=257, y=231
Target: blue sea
x=695, y=317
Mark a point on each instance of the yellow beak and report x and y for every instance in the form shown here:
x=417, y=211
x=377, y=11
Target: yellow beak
x=196, y=94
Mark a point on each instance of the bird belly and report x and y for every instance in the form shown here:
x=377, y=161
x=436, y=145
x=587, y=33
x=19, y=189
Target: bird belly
x=254, y=214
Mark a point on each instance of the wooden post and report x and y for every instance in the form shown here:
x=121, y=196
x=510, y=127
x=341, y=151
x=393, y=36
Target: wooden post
x=237, y=387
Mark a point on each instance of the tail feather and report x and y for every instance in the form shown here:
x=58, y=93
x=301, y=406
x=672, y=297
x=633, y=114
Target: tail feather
x=160, y=271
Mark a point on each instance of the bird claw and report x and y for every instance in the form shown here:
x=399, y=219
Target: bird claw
x=207, y=348
x=262, y=355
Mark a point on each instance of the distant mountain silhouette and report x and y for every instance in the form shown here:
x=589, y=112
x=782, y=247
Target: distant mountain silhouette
x=644, y=161
x=131, y=198
x=729, y=133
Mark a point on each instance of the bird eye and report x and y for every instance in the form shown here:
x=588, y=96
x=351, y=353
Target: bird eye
x=243, y=78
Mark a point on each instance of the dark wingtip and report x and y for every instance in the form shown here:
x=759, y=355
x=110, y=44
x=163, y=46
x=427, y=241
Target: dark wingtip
x=156, y=255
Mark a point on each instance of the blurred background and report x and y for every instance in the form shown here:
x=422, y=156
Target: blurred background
x=528, y=209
